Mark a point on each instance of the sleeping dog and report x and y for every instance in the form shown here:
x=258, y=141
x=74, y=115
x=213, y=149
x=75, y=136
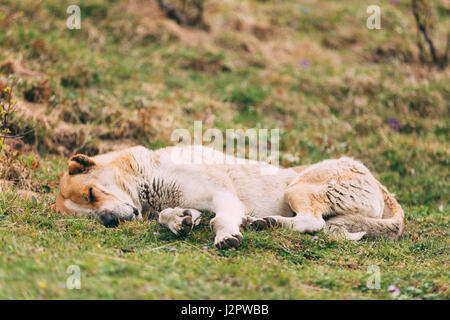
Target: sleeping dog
x=339, y=196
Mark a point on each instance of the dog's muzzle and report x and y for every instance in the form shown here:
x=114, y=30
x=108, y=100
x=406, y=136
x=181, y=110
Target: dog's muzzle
x=111, y=220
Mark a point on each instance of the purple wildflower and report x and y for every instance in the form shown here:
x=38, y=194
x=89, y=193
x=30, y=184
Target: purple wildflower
x=395, y=291
x=156, y=233
x=392, y=288
x=205, y=247
x=305, y=64
x=62, y=285
x=171, y=249
x=314, y=238
x=394, y=123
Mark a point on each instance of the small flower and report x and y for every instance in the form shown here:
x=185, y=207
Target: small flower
x=305, y=64
x=392, y=288
x=395, y=291
x=156, y=233
x=394, y=2
x=42, y=284
x=62, y=285
x=12, y=101
x=8, y=89
x=205, y=247
x=120, y=255
x=171, y=249
x=394, y=123
x=314, y=238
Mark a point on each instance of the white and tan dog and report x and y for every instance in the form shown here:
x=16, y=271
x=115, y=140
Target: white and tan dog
x=339, y=196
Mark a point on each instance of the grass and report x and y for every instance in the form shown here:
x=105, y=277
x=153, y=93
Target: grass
x=312, y=69
x=132, y=262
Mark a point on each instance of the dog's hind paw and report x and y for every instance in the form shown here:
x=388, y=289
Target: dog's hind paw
x=342, y=233
x=355, y=236
x=256, y=223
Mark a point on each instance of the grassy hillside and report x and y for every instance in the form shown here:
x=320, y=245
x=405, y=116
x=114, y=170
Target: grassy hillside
x=131, y=76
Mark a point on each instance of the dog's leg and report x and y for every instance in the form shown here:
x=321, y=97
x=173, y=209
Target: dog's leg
x=180, y=221
x=230, y=214
x=304, y=222
x=310, y=202
x=304, y=200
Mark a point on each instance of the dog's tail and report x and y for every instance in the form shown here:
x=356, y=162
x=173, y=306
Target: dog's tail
x=390, y=226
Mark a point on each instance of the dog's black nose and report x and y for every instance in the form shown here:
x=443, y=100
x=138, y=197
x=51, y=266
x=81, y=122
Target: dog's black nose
x=109, y=220
x=136, y=212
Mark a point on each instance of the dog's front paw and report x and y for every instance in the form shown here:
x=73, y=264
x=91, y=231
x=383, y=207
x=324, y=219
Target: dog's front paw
x=178, y=220
x=228, y=241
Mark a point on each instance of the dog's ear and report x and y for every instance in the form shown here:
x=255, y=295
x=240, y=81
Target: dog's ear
x=80, y=163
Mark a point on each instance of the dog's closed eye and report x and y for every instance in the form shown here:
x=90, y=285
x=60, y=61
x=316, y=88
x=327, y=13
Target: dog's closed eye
x=91, y=197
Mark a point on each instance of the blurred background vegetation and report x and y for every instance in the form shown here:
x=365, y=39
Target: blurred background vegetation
x=136, y=70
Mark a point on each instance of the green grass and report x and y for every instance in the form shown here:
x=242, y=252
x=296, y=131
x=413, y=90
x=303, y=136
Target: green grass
x=311, y=69
x=129, y=262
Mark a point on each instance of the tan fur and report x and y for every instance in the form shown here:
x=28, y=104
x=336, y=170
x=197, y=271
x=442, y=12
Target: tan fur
x=339, y=196
x=346, y=192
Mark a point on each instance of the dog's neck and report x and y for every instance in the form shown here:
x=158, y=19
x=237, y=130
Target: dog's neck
x=150, y=189
x=159, y=194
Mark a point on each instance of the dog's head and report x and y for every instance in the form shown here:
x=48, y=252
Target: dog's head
x=94, y=188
